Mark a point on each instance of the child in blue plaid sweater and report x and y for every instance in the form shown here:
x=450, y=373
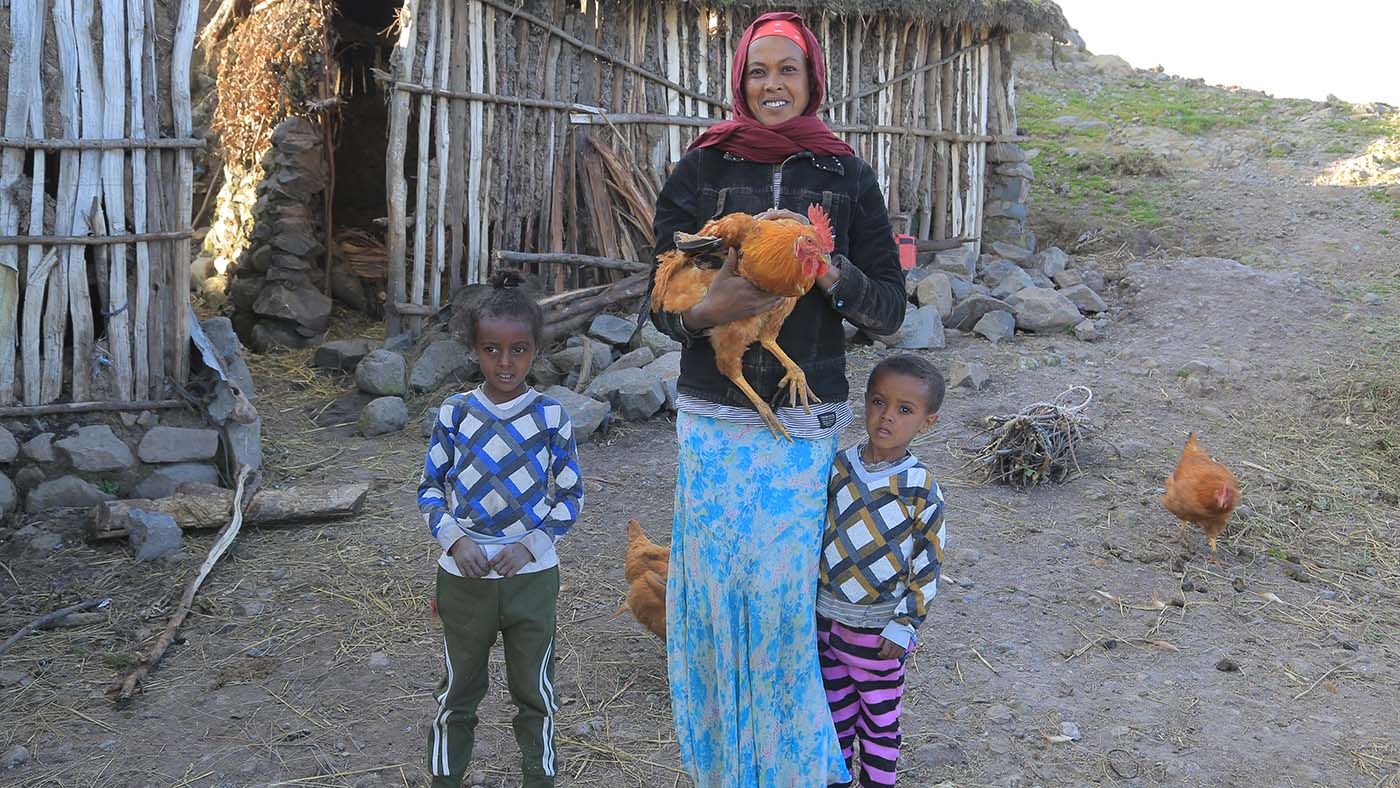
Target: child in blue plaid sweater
x=501, y=484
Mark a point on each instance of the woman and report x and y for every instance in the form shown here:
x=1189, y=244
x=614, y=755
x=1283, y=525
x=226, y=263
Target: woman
x=746, y=689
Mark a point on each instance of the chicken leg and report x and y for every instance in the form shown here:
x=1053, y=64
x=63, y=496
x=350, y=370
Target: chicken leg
x=795, y=379
x=732, y=367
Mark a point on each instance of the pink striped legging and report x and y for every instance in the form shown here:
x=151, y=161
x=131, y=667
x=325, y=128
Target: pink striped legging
x=864, y=693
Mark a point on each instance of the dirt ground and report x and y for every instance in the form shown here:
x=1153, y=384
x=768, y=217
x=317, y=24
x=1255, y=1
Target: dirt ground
x=311, y=655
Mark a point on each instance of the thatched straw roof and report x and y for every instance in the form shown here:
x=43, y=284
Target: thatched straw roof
x=1034, y=16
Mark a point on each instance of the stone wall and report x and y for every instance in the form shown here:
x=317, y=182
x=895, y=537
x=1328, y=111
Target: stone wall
x=79, y=460
x=276, y=289
x=83, y=459
x=1009, y=177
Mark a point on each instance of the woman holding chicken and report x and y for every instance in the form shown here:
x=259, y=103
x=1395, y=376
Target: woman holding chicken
x=746, y=690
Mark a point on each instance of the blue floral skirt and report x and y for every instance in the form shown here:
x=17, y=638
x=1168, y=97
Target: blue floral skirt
x=746, y=688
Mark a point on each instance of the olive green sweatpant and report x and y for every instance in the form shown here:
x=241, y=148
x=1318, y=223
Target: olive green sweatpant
x=522, y=609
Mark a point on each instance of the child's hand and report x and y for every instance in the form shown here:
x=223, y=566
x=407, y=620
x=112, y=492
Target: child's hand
x=890, y=650
x=509, y=560
x=471, y=561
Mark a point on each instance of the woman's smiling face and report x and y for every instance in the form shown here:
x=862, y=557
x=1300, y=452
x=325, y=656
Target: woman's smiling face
x=776, y=84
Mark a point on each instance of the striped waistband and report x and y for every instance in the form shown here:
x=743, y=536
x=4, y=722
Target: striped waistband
x=873, y=616
x=825, y=420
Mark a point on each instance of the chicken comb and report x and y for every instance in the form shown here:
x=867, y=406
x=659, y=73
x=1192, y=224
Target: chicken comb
x=822, y=223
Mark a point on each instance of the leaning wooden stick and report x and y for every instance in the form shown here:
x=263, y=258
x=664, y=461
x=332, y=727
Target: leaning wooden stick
x=127, y=687
x=48, y=618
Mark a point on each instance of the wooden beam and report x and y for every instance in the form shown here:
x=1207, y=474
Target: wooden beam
x=24, y=411
x=94, y=240
x=613, y=264
x=127, y=143
x=207, y=509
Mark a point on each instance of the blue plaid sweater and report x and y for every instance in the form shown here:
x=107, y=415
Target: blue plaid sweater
x=500, y=474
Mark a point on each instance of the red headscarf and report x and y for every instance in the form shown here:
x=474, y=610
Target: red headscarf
x=745, y=136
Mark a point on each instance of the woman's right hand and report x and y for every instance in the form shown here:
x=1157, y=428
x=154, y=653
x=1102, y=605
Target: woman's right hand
x=730, y=297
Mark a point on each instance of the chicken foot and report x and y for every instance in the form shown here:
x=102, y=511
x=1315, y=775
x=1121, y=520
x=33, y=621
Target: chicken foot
x=732, y=368
x=795, y=379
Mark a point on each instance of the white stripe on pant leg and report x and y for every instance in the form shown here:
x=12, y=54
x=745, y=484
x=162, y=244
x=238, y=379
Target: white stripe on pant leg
x=440, y=765
x=547, y=693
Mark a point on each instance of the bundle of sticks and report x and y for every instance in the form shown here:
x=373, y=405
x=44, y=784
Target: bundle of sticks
x=364, y=254
x=1039, y=444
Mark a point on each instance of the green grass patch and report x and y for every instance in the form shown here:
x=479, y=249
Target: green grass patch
x=120, y=660
x=1365, y=129
x=1189, y=109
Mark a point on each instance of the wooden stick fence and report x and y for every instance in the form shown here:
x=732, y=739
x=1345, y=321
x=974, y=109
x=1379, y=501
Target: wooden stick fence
x=115, y=220
x=518, y=168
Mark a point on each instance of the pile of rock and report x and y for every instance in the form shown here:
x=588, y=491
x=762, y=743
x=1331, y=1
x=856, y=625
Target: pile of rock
x=612, y=370
x=1009, y=179
x=1004, y=290
x=276, y=293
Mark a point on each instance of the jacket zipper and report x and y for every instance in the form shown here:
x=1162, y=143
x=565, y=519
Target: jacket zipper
x=778, y=177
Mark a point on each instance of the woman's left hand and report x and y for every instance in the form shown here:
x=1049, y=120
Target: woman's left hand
x=782, y=213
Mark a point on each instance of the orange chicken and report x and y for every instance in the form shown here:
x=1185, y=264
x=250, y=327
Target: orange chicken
x=646, y=598
x=646, y=568
x=1201, y=491
x=779, y=256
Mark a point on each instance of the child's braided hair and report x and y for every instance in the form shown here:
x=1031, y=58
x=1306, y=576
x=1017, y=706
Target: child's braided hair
x=508, y=297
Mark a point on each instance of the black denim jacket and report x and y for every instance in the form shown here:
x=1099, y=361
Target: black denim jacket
x=708, y=183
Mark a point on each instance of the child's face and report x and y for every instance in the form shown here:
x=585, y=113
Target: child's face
x=505, y=348
x=896, y=409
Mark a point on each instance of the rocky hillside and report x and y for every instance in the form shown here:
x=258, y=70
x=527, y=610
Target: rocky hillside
x=1141, y=160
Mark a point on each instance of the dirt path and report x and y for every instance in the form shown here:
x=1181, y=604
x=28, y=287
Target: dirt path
x=312, y=655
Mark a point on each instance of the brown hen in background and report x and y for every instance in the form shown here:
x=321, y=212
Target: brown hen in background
x=1201, y=491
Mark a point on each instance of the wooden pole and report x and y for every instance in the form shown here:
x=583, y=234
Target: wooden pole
x=56, y=307
x=673, y=73
x=397, y=185
x=918, y=108
x=984, y=92
x=443, y=140
x=489, y=195
x=421, y=206
x=550, y=81
x=136, y=40
x=180, y=53
x=702, y=65
x=857, y=45
x=946, y=151
x=476, y=50
x=158, y=208
x=457, y=151
x=89, y=179
x=40, y=265
x=17, y=114
x=114, y=191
